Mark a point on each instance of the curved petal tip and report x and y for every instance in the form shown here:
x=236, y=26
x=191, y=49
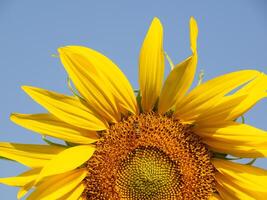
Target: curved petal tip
x=193, y=34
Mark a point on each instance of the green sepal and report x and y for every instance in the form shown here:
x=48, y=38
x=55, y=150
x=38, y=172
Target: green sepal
x=169, y=60
x=73, y=90
x=50, y=142
x=200, y=77
x=252, y=161
x=55, y=56
x=219, y=155
x=138, y=99
x=3, y=158
x=70, y=144
x=242, y=119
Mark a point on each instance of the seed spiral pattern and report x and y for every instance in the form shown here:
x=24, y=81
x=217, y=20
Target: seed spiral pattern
x=148, y=173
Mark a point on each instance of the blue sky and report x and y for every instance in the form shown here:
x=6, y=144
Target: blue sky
x=232, y=36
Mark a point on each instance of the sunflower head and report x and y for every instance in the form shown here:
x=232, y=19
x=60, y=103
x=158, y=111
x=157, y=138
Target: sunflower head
x=165, y=143
x=150, y=156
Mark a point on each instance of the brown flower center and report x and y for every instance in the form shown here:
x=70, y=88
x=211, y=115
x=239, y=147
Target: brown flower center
x=149, y=157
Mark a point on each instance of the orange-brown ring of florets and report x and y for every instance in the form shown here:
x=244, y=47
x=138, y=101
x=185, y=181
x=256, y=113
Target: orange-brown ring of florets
x=150, y=130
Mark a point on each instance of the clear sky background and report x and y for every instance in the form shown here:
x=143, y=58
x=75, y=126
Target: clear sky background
x=232, y=36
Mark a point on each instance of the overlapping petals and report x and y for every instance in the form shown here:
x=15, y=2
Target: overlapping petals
x=22, y=179
x=58, y=186
x=237, y=139
x=181, y=77
x=238, y=181
x=64, y=161
x=30, y=155
x=230, y=107
x=68, y=109
x=207, y=95
x=75, y=194
x=49, y=125
x=55, y=170
x=99, y=81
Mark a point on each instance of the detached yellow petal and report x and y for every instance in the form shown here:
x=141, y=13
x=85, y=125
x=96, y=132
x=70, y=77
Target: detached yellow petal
x=87, y=79
x=181, y=77
x=31, y=155
x=151, y=66
x=109, y=74
x=237, y=139
x=240, y=180
x=207, y=95
x=67, y=160
x=48, y=124
x=21, y=179
x=58, y=186
x=66, y=108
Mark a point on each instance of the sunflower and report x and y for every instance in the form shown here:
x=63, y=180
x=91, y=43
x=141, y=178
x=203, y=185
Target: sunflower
x=159, y=143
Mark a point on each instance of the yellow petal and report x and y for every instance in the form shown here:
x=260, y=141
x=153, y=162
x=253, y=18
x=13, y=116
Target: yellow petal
x=220, y=113
x=208, y=94
x=120, y=87
x=181, y=77
x=21, y=179
x=48, y=124
x=74, y=194
x=151, y=65
x=68, y=109
x=231, y=192
x=31, y=155
x=193, y=34
x=241, y=150
x=67, y=160
x=233, y=106
x=58, y=186
x=87, y=79
x=241, y=180
x=177, y=84
x=255, y=91
x=25, y=189
x=237, y=139
x=215, y=197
